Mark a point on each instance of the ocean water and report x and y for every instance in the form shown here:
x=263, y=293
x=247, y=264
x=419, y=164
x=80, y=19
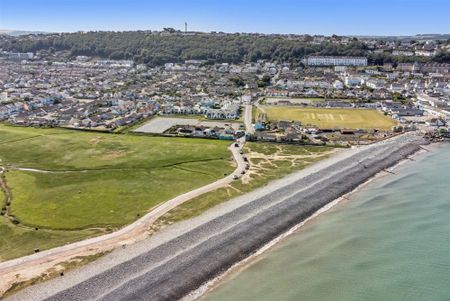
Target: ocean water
x=390, y=241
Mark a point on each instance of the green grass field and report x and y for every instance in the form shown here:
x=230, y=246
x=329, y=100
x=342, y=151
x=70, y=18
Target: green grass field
x=94, y=180
x=331, y=118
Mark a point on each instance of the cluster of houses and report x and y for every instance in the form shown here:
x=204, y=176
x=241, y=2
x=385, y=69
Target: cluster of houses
x=363, y=83
x=69, y=113
x=209, y=108
x=203, y=131
x=55, y=89
x=294, y=132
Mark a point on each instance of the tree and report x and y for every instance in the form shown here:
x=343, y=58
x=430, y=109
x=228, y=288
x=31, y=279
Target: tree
x=264, y=81
x=238, y=81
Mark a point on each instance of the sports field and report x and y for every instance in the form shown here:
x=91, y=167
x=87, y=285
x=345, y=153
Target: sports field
x=331, y=118
x=63, y=180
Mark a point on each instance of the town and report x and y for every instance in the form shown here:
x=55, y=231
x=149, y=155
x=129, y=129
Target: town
x=55, y=90
x=224, y=150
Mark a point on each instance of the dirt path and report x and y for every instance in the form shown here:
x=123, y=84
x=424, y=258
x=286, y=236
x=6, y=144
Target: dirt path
x=8, y=196
x=31, y=266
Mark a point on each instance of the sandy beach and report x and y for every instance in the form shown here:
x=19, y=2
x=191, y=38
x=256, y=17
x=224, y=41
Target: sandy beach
x=266, y=214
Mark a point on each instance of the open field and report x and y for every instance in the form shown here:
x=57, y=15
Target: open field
x=75, y=181
x=267, y=162
x=331, y=118
x=159, y=125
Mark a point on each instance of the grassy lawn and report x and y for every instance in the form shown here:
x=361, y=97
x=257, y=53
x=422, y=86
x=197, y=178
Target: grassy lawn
x=96, y=180
x=331, y=118
x=267, y=162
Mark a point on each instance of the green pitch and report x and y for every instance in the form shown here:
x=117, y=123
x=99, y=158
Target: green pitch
x=331, y=118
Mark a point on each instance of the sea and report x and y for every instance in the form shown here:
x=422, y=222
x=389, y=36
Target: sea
x=389, y=241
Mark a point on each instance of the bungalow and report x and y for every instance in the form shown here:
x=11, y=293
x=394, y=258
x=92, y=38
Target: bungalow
x=375, y=84
x=391, y=105
x=283, y=125
x=337, y=84
x=407, y=112
x=338, y=104
x=435, y=122
x=347, y=132
x=352, y=81
x=396, y=87
x=185, y=130
x=369, y=105
x=224, y=136
x=264, y=136
x=215, y=114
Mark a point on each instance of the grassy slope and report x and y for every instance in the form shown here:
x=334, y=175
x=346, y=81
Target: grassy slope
x=98, y=180
x=332, y=118
x=268, y=162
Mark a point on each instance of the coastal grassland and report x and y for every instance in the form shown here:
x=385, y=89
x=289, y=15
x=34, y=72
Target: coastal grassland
x=67, y=150
x=17, y=241
x=267, y=162
x=331, y=118
x=87, y=183
x=98, y=198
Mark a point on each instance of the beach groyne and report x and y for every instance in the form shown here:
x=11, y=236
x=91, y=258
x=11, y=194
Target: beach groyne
x=181, y=265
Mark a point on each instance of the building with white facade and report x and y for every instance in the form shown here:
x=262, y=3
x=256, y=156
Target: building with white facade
x=352, y=81
x=335, y=61
x=20, y=56
x=402, y=53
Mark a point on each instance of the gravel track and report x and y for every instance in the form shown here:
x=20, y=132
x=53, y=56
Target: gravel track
x=181, y=265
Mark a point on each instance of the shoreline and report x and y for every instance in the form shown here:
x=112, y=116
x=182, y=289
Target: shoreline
x=238, y=267
x=180, y=261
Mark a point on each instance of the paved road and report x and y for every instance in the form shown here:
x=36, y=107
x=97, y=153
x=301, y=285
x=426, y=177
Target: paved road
x=248, y=119
x=180, y=265
x=34, y=265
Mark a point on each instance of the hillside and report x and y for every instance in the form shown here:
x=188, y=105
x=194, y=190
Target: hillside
x=157, y=48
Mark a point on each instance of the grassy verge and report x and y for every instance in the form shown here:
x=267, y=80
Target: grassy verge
x=267, y=162
x=255, y=113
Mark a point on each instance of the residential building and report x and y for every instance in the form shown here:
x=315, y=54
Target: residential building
x=335, y=61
